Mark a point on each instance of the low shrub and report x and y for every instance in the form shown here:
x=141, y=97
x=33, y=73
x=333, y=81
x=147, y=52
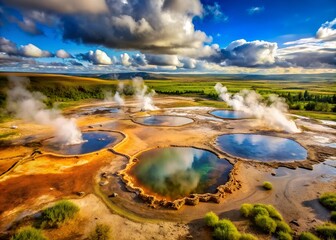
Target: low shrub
x=284, y=236
x=265, y=223
x=267, y=185
x=327, y=231
x=333, y=216
x=259, y=210
x=211, y=219
x=101, y=232
x=228, y=230
x=28, y=233
x=308, y=236
x=329, y=200
x=273, y=212
x=247, y=236
x=58, y=214
x=246, y=209
x=283, y=227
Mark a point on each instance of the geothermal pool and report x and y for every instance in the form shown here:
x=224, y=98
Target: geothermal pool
x=99, y=110
x=228, y=114
x=176, y=172
x=163, y=120
x=93, y=141
x=261, y=147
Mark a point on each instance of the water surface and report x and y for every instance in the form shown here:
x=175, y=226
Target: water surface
x=176, y=172
x=93, y=141
x=163, y=120
x=228, y=114
x=261, y=147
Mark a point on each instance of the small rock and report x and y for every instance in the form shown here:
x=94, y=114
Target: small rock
x=14, y=127
x=295, y=222
x=114, y=195
x=80, y=194
x=103, y=183
x=90, y=126
x=273, y=174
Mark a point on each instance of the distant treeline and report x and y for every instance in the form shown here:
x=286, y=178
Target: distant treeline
x=302, y=100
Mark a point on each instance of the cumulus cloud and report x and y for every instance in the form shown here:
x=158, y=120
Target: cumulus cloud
x=156, y=27
x=246, y=54
x=30, y=50
x=7, y=46
x=163, y=60
x=62, y=6
x=28, y=26
x=327, y=31
x=97, y=57
x=63, y=54
x=125, y=59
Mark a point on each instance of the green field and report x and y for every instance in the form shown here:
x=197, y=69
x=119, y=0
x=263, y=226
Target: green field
x=316, y=95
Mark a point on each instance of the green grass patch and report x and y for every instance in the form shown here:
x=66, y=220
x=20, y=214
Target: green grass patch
x=211, y=219
x=28, y=233
x=266, y=218
x=284, y=236
x=329, y=200
x=267, y=185
x=247, y=236
x=265, y=224
x=333, y=216
x=316, y=115
x=308, y=236
x=6, y=135
x=224, y=229
x=101, y=232
x=58, y=214
x=327, y=231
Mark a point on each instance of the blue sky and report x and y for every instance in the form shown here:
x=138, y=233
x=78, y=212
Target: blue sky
x=168, y=35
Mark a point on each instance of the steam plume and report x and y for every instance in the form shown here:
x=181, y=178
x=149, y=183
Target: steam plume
x=117, y=97
x=145, y=98
x=29, y=106
x=271, y=111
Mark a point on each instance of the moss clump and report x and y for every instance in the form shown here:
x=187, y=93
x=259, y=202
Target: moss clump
x=259, y=210
x=267, y=219
x=211, y=219
x=267, y=185
x=283, y=227
x=327, y=231
x=101, y=232
x=265, y=224
x=329, y=200
x=226, y=230
x=308, y=236
x=284, y=236
x=247, y=236
x=58, y=214
x=333, y=216
x=28, y=233
x=246, y=209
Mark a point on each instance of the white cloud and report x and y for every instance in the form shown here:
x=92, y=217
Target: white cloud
x=30, y=50
x=327, y=31
x=125, y=59
x=62, y=6
x=99, y=57
x=63, y=54
x=255, y=10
